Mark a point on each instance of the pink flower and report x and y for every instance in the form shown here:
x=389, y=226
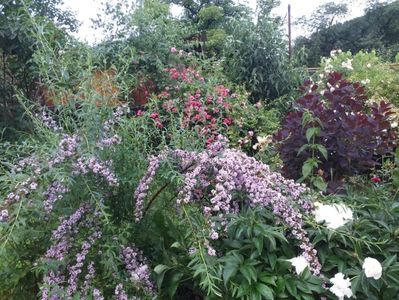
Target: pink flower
x=173, y=50
x=227, y=121
x=154, y=115
x=375, y=179
x=139, y=113
x=164, y=94
x=158, y=123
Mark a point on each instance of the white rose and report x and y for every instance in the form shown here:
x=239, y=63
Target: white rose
x=341, y=286
x=372, y=268
x=300, y=263
x=334, y=215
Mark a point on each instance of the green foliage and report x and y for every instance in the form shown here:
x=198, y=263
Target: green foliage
x=257, y=57
x=372, y=234
x=313, y=125
x=17, y=47
x=357, y=34
x=251, y=259
x=380, y=80
x=324, y=16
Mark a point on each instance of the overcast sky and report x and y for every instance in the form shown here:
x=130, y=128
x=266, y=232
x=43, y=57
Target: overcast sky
x=87, y=9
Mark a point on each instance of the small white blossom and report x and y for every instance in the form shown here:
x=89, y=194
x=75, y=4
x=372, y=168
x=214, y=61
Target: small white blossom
x=372, y=268
x=347, y=64
x=365, y=81
x=368, y=65
x=334, y=215
x=299, y=263
x=341, y=286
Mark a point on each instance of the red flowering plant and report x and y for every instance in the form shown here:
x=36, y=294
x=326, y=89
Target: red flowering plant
x=195, y=95
x=188, y=100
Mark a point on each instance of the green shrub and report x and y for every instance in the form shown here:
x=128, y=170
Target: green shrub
x=380, y=81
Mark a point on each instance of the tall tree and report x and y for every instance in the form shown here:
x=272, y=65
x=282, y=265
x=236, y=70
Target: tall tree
x=17, y=46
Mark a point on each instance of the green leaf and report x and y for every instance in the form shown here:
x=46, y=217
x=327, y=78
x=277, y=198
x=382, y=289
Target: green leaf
x=319, y=183
x=248, y=272
x=173, y=284
x=322, y=150
x=264, y=277
x=229, y=271
x=311, y=132
x=307, y=168
x=258, y=244
x=175, y=245
x=265, y=291
x=291, y=288
x=303, y=148
x=161, y=268
x=389, y=261
x=306, y=118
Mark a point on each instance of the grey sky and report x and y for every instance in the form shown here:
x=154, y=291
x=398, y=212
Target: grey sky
x=87, y=9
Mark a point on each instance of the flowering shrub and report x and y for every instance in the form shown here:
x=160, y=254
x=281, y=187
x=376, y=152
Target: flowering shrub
x=192, y=97
x=354, y=138
x=232, y=229
x=379, y=80
x=54, y=213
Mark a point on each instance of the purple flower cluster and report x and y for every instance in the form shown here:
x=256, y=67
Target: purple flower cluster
x=91, y=272
x=108, y=142
x=96, y=293
x=142, y=189
x=62, y=239
x=54, y=193
x=137, y=268
x=4, y=215
x=120, y=293
x=64, y=280
x=97, y=167
x=22, y=190
x=31, y=162
x=223, y=175
x=66, y=148
x=49, y=122
x=61, y=236
x=116, y=117
x=76, y=269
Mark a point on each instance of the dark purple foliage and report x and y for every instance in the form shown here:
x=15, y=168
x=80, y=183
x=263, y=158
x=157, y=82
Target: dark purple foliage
x=355, y=135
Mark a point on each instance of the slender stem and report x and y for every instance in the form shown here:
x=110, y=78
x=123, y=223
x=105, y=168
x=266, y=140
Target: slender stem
x=318, y=226
x=200, y=248
x=13, y=224
x=160, y=191
x=97, y=202
x=154, y=197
